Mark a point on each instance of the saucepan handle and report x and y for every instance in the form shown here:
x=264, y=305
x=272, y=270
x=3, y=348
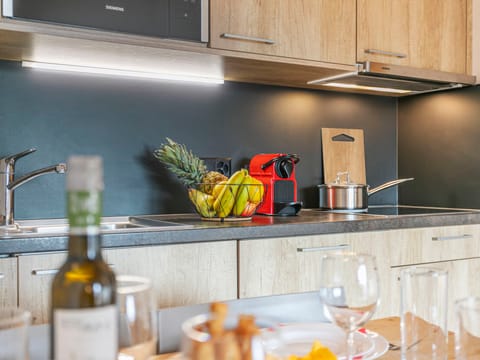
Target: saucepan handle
x=387, y=185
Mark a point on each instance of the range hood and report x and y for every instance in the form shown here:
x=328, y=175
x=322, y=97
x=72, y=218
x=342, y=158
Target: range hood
x=394, y=80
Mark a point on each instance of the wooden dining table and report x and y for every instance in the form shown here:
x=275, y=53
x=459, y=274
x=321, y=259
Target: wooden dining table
x=389, y=328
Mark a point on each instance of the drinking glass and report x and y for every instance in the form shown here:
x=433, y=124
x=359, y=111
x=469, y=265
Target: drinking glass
x=467, y=334
x=138, y=321
x=423, y=318
x=349, y=291
x=14, y=323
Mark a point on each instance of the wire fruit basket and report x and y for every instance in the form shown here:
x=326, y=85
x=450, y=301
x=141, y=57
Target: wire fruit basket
x=226, y=202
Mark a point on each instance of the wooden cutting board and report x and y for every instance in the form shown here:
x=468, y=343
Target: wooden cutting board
x=343, y=150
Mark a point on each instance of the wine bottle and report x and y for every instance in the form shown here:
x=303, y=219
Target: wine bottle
x=84, y=315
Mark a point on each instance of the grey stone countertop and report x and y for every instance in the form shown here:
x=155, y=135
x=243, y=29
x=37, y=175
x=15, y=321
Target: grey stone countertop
x=194, y=229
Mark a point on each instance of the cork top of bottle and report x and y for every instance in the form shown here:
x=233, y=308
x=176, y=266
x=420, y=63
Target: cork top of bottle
x=85, y=173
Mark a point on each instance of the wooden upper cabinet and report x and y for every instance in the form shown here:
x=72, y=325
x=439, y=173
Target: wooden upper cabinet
x=319, y=30
x=247, y=25
x=427, y=34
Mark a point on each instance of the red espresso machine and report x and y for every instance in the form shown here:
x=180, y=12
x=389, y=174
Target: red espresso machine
x=277, y=173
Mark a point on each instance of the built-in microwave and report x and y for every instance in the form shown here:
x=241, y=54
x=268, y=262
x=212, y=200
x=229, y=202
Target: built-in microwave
x=174, y=19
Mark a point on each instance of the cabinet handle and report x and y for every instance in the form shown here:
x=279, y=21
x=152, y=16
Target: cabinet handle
x=452, y=237
x=43, y=272
x=323, y=248
x=247, y=38
x=2, y=275
x=386, y=53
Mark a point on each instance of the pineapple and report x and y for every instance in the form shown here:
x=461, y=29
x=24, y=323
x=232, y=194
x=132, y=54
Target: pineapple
x=189, y=168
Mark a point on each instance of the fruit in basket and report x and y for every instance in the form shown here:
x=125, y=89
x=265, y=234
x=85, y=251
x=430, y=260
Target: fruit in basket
x=217, y=189
x=213, y=194
x=203, y=202
x=188, y=167
x=249, y=196
x=241, y=201
x=255, y=193
x=225, y=201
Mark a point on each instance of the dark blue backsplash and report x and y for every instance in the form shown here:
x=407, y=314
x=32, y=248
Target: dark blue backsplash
x=124, y=120
x=439, y=137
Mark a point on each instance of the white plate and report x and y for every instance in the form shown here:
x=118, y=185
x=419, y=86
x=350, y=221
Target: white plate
x=297, y=339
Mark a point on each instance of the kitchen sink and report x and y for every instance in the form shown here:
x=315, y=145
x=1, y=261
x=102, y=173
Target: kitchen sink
x=56, y=227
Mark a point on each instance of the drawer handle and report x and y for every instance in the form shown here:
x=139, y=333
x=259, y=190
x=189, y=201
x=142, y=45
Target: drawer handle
x=386, y=53
x=247, y=38
x=452, y=237
x=2, y=275
x=324, y=248
x=43, y=272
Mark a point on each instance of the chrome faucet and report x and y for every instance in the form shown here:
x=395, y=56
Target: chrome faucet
x=8, y=184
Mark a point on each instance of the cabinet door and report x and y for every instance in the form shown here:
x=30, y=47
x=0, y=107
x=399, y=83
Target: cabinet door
x=8, y=282
x=462, y=282
x=428, y=34
x=320, y=30
x=283, y=265
x=247, y=25
x=183, y=274
x=445, y=243
x=35, y=275
x=408, y=247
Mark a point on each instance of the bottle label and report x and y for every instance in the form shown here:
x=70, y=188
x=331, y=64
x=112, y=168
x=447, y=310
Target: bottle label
x=87, y=334
x=84, y=208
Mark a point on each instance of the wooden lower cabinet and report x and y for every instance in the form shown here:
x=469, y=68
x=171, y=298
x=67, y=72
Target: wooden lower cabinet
x=462, y=282
x=411, y=247
x=35, y=275
x=182, y=274
x=276, y=266
x=283, y=265
x=185, y=274
x=8, y=282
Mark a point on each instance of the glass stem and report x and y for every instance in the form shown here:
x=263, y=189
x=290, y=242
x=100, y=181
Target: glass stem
x=350, y=346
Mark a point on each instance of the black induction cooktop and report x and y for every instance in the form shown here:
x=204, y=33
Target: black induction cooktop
x=399, y=210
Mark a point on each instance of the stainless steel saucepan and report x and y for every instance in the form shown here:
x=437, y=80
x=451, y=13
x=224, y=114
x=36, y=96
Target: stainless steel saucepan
x=345, y=195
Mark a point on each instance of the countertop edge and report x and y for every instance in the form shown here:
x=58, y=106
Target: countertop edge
x=301, y=225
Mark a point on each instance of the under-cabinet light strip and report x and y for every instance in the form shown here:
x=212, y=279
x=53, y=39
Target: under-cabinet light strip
x=361, y=87
x=124, y=73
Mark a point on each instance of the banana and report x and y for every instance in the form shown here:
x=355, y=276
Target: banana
x=217, y=189
x=226, y=199
x=248, y=197
x=203, y=202
x=241, y=200
x=255, y=189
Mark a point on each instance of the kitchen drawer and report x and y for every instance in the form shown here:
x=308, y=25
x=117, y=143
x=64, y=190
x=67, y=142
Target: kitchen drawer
x=425, y=245
x=419, y=245
x=283, y=265
x=182, y=274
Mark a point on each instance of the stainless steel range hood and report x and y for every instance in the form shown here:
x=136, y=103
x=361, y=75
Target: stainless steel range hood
x=394, y=80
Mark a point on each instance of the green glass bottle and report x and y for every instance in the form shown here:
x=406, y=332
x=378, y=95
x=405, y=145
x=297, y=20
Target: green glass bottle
x=84, y=316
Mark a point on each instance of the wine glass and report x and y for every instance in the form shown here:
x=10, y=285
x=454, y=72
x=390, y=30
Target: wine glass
x=349, y=291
